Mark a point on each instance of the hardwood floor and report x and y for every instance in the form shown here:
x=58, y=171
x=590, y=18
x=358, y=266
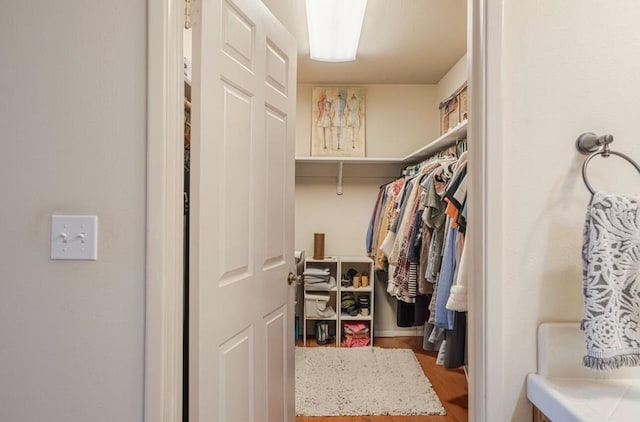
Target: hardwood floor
x=450, y=386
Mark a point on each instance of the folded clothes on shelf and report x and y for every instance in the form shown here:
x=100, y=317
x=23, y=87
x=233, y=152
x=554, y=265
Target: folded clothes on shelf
x=317, y=271
x=320, y=286
x=318, y=279
x=313, y=279
x=356, y=334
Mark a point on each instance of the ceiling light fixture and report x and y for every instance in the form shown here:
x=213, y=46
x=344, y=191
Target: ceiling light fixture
x=334, y=28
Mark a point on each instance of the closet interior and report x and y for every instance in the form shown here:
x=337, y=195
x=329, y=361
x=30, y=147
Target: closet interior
x=402, y=206
x=374, y=197
x=405, y=218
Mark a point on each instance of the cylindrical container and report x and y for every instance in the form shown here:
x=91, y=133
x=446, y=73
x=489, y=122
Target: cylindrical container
x=318, y=246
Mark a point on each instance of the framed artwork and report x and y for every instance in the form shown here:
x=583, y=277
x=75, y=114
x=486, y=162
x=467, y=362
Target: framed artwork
x=337, y=122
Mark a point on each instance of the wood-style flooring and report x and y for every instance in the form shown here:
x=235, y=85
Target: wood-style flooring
x=450, y=386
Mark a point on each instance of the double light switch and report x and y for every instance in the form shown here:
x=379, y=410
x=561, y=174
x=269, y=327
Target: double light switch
x=74, y=237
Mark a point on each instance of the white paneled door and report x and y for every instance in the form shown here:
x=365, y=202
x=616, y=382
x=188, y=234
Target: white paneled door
x=241, y=306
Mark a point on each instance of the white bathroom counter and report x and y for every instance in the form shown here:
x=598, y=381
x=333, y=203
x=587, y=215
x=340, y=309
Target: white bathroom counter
x=566, y=392
x=582, y=400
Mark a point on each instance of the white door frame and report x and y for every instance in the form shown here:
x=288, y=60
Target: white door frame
x=486, y=354
x=165, y=178
x=164, y=266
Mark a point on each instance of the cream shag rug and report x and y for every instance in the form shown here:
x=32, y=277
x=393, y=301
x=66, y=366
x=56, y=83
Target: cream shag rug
x=362, y=381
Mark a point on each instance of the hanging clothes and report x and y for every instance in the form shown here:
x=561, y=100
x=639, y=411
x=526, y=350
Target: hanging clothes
x=388, y=211
x=416, y=238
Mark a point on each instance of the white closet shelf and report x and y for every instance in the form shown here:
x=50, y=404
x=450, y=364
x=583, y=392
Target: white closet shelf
x=350, y=160
x=346, y=317
x=357, y=289
x=448, y=139
x=364, y=259
x=333, y=318
x=333, y=289
x=320, y=162
x=438, y=144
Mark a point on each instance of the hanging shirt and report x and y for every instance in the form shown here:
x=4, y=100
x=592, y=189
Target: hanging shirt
x=434, y=218
x=444, y=317
x=389, y=241
x=376, y=210
x=388, y=212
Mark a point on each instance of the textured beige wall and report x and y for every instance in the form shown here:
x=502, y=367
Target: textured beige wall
x=561, y=76
x=72, y=125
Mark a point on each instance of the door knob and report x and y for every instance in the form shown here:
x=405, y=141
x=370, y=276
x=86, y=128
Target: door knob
x=296, y=278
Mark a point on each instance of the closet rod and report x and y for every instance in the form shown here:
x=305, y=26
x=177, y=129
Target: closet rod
x=450, y=148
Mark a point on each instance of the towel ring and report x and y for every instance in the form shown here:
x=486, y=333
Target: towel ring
x=589, y=143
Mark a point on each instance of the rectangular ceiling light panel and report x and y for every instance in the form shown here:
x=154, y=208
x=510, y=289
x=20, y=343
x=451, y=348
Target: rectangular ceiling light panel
x=334, y=28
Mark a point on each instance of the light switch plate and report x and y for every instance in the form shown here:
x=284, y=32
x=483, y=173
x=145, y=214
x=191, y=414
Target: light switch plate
x=74, y=237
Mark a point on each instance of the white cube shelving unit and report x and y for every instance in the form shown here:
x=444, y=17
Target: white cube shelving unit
x=337, y=267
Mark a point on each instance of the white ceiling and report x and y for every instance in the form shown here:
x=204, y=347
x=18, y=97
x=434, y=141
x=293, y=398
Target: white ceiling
x=402, y=41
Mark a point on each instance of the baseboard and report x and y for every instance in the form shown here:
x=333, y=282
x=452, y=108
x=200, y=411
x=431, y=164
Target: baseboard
x=400, y=332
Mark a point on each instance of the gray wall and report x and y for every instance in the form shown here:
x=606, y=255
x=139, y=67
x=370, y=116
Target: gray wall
x=72, y=131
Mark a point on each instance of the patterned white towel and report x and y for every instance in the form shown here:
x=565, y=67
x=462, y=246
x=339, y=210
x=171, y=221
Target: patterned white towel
x=611, y=282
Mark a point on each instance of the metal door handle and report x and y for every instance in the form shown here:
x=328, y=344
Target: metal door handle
x=296, y=278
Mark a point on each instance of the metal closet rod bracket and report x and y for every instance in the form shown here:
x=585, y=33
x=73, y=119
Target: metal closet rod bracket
x=339, y=184
x=589, y=142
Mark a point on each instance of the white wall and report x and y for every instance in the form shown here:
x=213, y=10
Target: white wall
x=399, y=119
x=72, y=125
x=454, y=79
x=568, y=67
